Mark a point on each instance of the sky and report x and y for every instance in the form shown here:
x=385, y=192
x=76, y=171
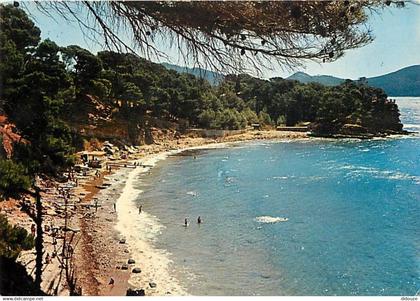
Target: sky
x=396, y=44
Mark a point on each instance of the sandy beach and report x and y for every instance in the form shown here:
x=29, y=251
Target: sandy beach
x=104, y=240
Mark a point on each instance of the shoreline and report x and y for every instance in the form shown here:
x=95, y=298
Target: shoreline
x=99, y=255
x=153, y=263
x=139, y=230
x=130, y=225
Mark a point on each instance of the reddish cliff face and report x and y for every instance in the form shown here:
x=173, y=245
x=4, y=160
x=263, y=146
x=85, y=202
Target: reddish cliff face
x=8, y=137
x=90, y=118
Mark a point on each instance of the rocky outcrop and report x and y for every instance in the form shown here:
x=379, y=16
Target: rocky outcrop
x=382, y=120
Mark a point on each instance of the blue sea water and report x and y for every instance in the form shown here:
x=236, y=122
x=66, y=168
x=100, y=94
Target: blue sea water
x=352, y=210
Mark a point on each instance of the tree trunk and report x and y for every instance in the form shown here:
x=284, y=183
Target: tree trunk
x=39, y=238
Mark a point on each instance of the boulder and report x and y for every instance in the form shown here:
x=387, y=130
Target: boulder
x=122, y=241
x=136, y=270
x=135, y=292
x=131, y=261
x=124, y=266
x=152, y=284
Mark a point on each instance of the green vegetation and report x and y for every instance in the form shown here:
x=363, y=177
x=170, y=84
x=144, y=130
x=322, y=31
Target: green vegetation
x=34, y=92
x=14, y=279
x=13, y=179
x=45, y=88
x=139, y=86
x=214, y=78
x=47, y=85
x=13, y=239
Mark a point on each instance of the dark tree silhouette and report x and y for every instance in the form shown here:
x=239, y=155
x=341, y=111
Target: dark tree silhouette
x=229, y=35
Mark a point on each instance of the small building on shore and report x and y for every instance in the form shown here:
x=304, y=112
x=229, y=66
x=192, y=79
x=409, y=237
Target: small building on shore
x=93, y=158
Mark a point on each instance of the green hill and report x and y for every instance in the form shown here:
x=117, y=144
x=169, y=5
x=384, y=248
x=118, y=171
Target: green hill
x=404, y=82
x=326, y=80
x=213, y=78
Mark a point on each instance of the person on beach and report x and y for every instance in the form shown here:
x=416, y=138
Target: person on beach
x=96, y=205
x=186, y=222
x=70, y=250
x=33, y=230
x=140, y=207
x=48, y=258
x=115, y=207
x=199, y=220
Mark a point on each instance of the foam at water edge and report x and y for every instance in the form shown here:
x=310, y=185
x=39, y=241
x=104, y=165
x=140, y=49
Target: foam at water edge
x=140, y=230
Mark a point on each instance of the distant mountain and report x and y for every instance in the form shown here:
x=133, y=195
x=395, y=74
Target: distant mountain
x=326, y=80
x=213, y=77
x=404, y=82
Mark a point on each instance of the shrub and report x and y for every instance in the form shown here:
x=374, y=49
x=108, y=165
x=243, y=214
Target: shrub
x=13, y=179
x=264, y=118
x=13, y=239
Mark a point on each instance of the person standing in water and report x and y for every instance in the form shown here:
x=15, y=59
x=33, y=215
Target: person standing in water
x=199, y=220
x=140, y=207
x=186, y=222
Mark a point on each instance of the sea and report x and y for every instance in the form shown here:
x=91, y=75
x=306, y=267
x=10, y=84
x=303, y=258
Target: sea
x=302, y=217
